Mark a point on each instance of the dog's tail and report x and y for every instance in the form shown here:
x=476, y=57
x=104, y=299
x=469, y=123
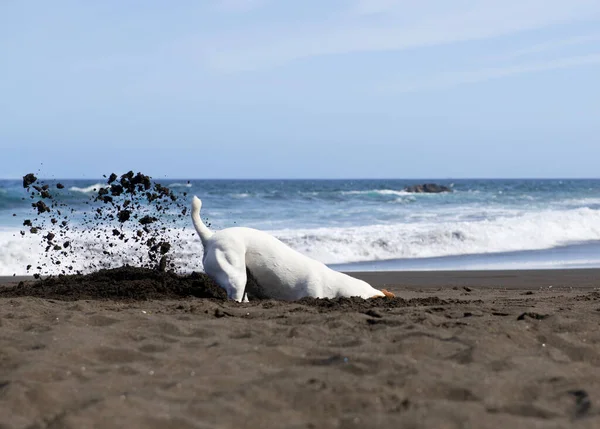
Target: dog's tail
x=201, y=229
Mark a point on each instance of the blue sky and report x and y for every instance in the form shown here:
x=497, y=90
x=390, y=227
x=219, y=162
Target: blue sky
x=327, y=89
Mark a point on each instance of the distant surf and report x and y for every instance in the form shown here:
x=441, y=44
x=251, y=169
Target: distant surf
x=89, y=189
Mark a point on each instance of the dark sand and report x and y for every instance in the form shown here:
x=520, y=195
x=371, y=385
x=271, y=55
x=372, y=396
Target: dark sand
x=491, y=349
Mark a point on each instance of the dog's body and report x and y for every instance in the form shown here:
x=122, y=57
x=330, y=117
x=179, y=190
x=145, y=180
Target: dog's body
x=281, y=272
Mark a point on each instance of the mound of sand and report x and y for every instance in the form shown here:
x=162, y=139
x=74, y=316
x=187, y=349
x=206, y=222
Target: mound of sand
x=124, y=283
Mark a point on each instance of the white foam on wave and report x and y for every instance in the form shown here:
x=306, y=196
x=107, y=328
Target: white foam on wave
x=337, y=245
x=530, y=231
x=89, y=189
x=580, y=202
x=180, y=185
x=16, y=252
x=403, y=200
x=13, y=249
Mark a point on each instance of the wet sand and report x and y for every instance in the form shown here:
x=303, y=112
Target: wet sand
x=488, y=349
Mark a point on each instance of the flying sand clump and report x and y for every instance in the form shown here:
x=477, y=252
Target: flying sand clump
x=131, y=213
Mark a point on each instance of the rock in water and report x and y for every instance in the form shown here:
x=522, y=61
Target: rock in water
x=427, y=188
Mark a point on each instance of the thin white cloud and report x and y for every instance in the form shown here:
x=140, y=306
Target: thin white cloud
x=449, y=80
x=400, y=25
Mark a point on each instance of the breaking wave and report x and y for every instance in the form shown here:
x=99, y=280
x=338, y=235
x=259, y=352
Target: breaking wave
x=89, y=189
x=530, y=231
x=180, y=185
x=336, y=245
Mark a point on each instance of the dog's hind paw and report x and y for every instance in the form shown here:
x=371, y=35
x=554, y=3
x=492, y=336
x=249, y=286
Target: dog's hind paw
x=388, y=294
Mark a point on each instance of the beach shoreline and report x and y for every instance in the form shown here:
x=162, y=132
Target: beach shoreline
x=583, y=278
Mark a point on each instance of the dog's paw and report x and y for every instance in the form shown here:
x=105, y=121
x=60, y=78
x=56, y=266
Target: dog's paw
x=388, y=294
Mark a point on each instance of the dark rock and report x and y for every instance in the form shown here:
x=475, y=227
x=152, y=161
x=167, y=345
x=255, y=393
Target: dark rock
x=427, y=188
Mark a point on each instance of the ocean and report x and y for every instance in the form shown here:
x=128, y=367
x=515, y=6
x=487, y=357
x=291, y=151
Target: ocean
x=357, y=224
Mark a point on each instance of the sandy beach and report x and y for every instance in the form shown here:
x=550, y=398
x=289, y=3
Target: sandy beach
x=456, y=350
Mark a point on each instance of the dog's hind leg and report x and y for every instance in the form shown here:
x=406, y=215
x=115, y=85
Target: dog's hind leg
x=228, y=269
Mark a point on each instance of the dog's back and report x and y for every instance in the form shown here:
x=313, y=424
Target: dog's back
x=281, y=272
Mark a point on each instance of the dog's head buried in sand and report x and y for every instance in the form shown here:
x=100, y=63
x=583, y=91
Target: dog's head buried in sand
x=281, y=272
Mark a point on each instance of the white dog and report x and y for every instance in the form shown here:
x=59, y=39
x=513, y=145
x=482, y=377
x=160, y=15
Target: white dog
x=281, y=272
